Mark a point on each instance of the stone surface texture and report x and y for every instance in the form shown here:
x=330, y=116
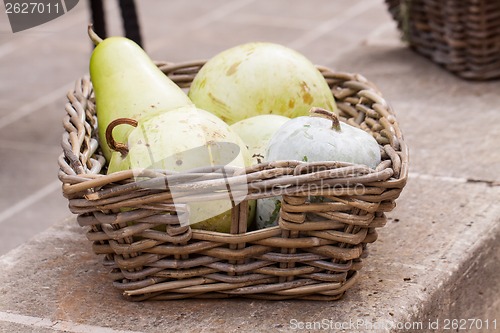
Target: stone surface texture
x=437, y=259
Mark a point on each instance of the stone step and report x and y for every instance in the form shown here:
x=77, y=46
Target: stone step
x=431, y=264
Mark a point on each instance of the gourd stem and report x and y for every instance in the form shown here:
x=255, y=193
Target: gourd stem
x=112, y=144
x=93, y=36
x=320, y=112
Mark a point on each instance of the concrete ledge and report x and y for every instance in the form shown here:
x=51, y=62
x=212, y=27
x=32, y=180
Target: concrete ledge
x=436, y=260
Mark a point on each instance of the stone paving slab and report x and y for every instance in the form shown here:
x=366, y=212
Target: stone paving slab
x=18, y=226
x=37, y=67
x=428, y=264
x=19, y=163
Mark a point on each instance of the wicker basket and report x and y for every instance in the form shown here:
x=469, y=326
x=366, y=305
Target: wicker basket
x=461, y=35
x=314, y=253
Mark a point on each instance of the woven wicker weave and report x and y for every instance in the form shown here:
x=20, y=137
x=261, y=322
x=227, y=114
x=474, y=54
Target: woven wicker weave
x=461, y=35
x=315, y=251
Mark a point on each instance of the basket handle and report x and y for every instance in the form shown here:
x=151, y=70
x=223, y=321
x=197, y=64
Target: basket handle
x=324, y=113
x=112, y=144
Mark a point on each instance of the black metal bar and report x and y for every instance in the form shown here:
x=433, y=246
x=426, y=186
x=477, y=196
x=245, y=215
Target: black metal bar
x=98, y=18
x=131, y=21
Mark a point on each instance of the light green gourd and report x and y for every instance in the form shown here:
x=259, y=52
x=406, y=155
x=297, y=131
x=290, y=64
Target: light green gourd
x=256, y=133
x=127, y=84
x=260, y=78
x=182, y=140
